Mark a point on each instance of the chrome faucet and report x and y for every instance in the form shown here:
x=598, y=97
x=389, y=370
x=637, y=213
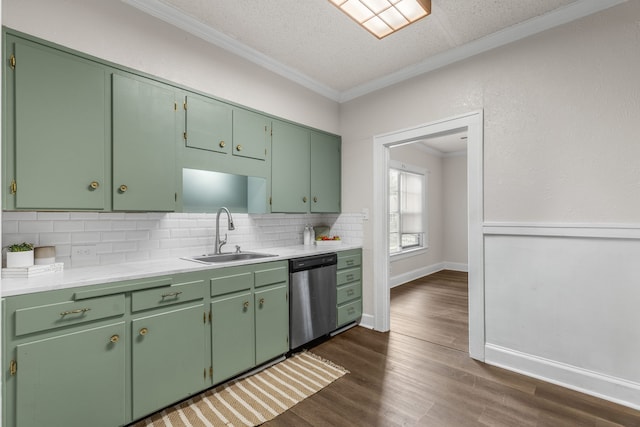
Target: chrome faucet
x=230, y=226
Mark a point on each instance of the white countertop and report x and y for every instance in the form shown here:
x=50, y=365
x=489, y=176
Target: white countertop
x=74, y=277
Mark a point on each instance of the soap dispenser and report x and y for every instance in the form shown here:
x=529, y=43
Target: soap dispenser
x=307, y=235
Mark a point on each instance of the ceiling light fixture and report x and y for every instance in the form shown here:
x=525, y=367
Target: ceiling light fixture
x=384, y=17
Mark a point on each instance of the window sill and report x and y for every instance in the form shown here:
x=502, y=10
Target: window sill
x=408, y=253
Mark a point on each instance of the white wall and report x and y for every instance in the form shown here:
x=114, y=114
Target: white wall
x=454, y=202
x=561, y=114
x=119, y=33
x=406, y=268
x=446, y=213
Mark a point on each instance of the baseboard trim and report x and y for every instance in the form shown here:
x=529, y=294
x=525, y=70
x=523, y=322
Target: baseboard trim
x=409, y=276
x=367, y=321
x=603, y=386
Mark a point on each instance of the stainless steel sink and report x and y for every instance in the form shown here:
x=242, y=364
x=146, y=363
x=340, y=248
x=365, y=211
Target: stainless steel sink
x=218, y=258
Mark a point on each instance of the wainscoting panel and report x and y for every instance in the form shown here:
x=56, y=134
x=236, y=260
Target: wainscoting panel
x=564, y=306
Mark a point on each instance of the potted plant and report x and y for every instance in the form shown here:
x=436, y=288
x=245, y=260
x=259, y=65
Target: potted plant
x=20, y=255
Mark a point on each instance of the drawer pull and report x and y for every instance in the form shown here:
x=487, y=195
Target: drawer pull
x=78, y=311
x=349, y=262
x=351, y=310
x=171, y=294
x=349, y=277
x=143, y=331
x=114, y=338
x=350, y=292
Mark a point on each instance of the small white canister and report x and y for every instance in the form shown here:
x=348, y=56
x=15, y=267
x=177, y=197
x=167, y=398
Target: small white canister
x=44, y=255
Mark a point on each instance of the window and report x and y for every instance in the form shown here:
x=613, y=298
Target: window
x=407, y=213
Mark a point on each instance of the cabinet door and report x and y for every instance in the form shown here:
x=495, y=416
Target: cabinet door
x=233, y=335
x=143, y=145
x=76, y=379
x=325, y=173
x=168, y=358
x=60, y=130
x=272, y=323
x=290, y=168
x=208, y=124
x=250, y=134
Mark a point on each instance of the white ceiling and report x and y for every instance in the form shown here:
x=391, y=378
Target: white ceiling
x=314, y=44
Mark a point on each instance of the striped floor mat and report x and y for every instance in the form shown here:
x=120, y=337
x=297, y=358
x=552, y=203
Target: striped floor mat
x=253, y=400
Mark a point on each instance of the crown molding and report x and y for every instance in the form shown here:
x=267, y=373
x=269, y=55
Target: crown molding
x=558, y=17
x=516, y=32
x=175, y=17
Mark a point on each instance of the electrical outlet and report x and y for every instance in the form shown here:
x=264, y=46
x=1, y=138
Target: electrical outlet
x=83, y=253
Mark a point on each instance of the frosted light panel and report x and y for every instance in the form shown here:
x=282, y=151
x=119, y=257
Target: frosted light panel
x=383, y=17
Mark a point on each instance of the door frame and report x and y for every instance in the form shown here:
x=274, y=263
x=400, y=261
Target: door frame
x=473, y=123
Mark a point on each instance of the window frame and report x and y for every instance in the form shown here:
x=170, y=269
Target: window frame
x=412, y=250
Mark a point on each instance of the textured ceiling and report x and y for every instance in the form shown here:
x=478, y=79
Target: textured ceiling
x=313, y=43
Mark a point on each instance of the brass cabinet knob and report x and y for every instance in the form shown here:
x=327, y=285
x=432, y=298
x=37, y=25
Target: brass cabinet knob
x=261, y=301
x=246, y=304
x=222, y=144
x=123, y=188
x=114, y=338
x=239, y=147
x=94, y=185
x=304, y=199
x=315, y=199
x=143, y=331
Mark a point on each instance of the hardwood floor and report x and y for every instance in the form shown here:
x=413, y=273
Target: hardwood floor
x=419, y=374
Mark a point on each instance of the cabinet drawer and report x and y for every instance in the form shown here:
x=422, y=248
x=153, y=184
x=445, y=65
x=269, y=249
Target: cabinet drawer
x=348, y=261
x=269, y=276
x=232, y=283
x=165, y=296
x=347, y=276
x=349, y=312
x=52, y=316
x=349, y=292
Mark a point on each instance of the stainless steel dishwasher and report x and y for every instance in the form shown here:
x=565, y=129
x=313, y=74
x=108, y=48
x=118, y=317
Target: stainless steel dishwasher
x=312, y=298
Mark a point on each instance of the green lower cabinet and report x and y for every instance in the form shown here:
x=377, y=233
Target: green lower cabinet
x=75, y=379
x=272, y=322
x=168, y=358
x=232, y=334
x=349, y=287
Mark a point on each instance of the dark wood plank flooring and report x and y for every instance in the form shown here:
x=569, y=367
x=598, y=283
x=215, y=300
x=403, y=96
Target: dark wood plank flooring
x=420, y=374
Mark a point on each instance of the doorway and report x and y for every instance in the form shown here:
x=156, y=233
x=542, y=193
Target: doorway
x=472, y=123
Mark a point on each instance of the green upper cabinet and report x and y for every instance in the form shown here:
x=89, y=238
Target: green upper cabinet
x=208, y=124
x=305, y=173
x=251, y=132
x=144, y=134
x=57, y=124
x=290, y=168
x=325, y=172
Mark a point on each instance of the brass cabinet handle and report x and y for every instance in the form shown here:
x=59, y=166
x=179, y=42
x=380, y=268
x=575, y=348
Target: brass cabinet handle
x=261, y=301
x=78, y=311
x=123, y=188
x=222, y=144
x=350, y=292
x=114, y=338
x=239, y=147
x=143, y=331
x=94, y=185
x=246, y=304
x=171, y=294
x=304, y=199
x=315, y=199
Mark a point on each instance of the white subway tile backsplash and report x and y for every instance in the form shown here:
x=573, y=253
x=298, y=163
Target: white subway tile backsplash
x=121, y=237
